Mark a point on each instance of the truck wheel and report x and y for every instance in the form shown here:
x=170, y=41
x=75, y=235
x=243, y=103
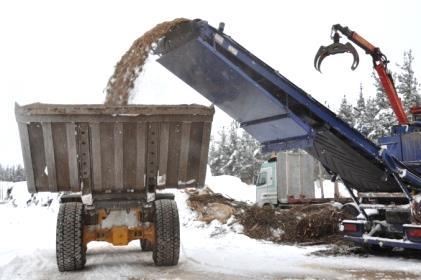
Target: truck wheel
x=167, y=231
x=146, y=245
x=350, y=210
x=70, y=251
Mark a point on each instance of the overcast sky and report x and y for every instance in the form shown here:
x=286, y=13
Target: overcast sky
x=65, y=51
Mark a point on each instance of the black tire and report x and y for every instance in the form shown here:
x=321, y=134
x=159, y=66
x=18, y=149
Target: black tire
x=146, y=245
x=70, y=252
x=167, y=228
x=350, y=210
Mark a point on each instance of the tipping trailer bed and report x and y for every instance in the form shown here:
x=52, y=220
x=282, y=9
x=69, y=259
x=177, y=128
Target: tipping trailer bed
x=271, y=108
x=110, y=150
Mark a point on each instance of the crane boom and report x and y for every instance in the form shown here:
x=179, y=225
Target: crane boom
x=379, y=62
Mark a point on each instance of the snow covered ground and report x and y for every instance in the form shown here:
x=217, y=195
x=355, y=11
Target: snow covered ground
x=209, y=251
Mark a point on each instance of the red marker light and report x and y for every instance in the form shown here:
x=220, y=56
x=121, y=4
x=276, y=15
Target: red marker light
x=350, y=228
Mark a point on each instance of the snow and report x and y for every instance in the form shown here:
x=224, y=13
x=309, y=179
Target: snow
x=329, y=189
x=231, y=187
x=208, y=251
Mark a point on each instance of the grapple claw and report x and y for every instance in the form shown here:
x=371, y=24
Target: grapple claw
x=336, y=48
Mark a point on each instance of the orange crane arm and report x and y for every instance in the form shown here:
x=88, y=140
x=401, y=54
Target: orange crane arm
x=380, y=65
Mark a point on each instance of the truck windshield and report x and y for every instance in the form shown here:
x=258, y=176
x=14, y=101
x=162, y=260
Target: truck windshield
x=261, y=180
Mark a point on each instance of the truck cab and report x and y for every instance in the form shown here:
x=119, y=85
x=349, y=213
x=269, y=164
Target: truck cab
x=266, y=184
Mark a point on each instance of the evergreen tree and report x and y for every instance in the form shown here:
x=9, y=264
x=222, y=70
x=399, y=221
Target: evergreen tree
x=251, y=157
x=381, y=97
x=368, y=125
x=345, y=112
x=235, y=153
x=213, y=159
x=232, y=167
x=408, y=85
x=218, y=154
x=384, y=117
x=12, y=173
x=360, y=113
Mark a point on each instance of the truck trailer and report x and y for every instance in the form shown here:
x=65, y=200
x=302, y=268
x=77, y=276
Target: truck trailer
x=286, y=178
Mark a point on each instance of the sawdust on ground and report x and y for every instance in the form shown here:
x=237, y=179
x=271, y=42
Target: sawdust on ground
x=131, y=64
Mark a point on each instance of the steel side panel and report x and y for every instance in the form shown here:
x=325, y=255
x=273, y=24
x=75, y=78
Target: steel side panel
x=203, y=158
x=411, y=143
x=117, y=151
x=59, y=136
x=231, y=90
x=129, y=154
x=141, y=156
x=27, y=159
x=72, y=157
x=96, y=157
x=225, y=87
x=36, y=141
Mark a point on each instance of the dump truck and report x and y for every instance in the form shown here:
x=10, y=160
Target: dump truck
x=112, y=164
x=282, y=116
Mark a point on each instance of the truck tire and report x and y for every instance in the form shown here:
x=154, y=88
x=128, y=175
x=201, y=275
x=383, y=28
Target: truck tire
x=350, y=210
x=70, y=251
x=146, y=245
x=167, y=231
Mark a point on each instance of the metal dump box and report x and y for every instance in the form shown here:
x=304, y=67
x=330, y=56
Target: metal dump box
x=113, y=149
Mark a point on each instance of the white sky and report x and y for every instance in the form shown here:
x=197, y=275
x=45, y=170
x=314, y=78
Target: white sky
x=65, y=51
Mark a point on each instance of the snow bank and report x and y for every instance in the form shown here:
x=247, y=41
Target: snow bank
x=231, y=187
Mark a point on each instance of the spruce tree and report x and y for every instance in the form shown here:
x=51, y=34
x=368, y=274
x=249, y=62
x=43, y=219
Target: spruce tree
x=251, y=157
x=213, y=159
x=218, y=154
x=236, y=153
x=345, y=112
x=381, y=97
x=384, y=117
x=359, y=113
x=232, y=166
x=369, y=126
x=408, y=86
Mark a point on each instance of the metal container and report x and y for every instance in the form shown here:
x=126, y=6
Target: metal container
x=101, y=149
x=295, y=176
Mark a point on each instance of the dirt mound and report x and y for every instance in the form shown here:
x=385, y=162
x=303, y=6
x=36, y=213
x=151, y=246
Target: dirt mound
x=312, y=224
x=131, y=64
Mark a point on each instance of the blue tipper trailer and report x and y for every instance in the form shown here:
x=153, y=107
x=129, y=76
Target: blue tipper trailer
x=282, y=116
